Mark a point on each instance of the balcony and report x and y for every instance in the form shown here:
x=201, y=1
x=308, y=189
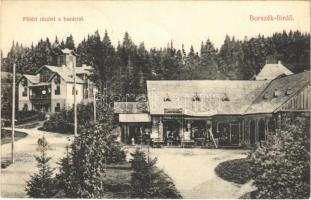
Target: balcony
x=41, y=99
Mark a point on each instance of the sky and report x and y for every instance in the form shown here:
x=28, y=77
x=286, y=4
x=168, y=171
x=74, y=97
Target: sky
x=155, y=23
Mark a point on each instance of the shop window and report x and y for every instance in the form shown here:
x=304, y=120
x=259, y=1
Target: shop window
x=57, y=90
x=57, y=107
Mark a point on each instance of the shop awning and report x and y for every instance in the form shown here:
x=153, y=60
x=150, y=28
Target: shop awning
x=134, y=118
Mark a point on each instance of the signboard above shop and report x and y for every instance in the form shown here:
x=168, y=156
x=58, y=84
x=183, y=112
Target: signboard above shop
x=173, y=111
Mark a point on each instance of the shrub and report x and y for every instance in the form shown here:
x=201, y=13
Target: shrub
x=63, y=122
x=42, y=184
x=149, y=182
x=282, y=167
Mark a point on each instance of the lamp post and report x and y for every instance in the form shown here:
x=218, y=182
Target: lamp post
x=75, y=101
x=94, y=103
x=13, y=114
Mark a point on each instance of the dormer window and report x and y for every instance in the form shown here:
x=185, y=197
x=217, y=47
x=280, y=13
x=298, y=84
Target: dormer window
x=196, y=97
x=265, y=96
x=276, y=93
x=289, y=91
x=225, y=97
x=167, y=98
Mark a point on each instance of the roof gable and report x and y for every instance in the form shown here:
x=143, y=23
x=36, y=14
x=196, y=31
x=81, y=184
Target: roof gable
x=272, y=71
x=64, y=72
x=32, y=78
x=276, y=94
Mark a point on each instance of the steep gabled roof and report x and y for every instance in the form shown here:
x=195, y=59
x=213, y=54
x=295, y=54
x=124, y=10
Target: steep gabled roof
x=63, y=72
x=275, y=93
x=32, y=78
x=271, y=71
x=203, y=97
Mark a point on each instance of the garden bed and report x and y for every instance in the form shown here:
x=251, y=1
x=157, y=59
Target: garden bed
x=6, y=136
x=237, y=171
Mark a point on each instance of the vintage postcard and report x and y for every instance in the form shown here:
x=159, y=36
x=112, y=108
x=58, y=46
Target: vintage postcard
x=155, y=99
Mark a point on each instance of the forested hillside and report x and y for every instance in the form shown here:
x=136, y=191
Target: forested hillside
x=124, y=68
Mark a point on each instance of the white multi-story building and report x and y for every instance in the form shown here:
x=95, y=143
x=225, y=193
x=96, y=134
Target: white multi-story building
x=51, y=89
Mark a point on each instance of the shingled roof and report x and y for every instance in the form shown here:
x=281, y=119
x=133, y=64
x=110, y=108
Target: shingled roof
x=268, y=102
x=203, y=97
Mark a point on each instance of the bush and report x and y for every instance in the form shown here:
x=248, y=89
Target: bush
x=63, y=122
x=149, y=182
x=27, y=116
x=282, y=167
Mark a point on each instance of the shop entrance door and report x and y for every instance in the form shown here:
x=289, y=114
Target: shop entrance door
x=234, y=134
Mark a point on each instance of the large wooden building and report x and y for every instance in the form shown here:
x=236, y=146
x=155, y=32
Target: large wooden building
x=51, y=88
x=214, y=112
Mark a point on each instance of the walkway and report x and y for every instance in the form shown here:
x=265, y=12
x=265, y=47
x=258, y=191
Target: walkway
x=13, y=178
x=192, y=171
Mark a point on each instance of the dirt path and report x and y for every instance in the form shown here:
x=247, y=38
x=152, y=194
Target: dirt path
x=13, y=178
x=193, y=171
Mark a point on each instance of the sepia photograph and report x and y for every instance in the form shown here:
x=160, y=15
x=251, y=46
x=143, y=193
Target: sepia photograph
x=155, y=99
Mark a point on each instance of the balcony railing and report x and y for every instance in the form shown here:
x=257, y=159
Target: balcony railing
x=41, y=99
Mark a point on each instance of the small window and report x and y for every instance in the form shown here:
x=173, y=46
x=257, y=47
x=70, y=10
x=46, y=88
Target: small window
x=25, y=91
x=167, y=99
x=57, y=107
x=225, y=98
x=288, y=91
x=276, y=93
x=57, y=90
x=265, y=96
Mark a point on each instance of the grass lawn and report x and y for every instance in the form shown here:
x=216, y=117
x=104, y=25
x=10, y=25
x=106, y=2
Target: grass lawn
x=237, y=171
x=117, y=183
x=6, y=136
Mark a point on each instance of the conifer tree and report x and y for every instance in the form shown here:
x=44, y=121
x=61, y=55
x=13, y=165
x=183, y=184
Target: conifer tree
x=42, y=184
x=149, y=182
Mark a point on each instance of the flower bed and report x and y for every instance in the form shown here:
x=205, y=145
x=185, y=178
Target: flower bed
x=237, y=171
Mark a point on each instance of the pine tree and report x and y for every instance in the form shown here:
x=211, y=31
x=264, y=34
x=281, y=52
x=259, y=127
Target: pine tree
x=42, y=184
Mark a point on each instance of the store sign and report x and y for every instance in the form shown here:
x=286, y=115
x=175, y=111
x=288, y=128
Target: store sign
x=172, y=111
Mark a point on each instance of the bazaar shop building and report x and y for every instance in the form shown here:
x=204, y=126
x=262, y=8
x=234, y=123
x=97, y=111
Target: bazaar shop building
x=214, y=112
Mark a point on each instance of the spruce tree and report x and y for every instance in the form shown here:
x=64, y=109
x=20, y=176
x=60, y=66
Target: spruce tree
x=42, y=184
x=149, y=182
